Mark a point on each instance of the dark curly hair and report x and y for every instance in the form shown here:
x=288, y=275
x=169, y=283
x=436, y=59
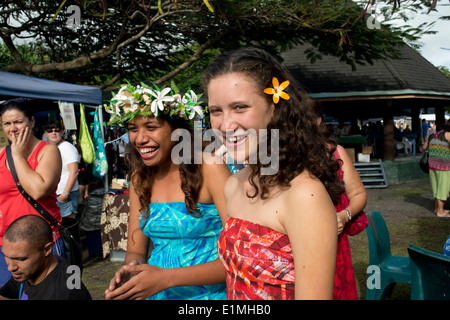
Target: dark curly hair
x=142, y=176
x=302, y=144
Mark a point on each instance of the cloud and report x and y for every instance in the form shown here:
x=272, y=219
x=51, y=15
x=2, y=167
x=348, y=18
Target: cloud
x=436, y=47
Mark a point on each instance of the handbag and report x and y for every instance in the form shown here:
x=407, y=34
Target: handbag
x=84, y=139
x=68, y=230
x=100, y=167
x=423, y=162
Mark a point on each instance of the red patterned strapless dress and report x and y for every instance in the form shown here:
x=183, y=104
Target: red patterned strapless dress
x=258, y=262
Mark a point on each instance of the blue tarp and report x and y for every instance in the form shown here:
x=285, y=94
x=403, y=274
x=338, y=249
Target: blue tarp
x=16, y=85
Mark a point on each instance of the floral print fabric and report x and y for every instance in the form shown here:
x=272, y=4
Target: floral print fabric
x=258, y=262
x=180, y=240
x=114, y=222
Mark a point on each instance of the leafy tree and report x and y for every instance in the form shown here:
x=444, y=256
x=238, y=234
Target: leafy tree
x=444, y=70
x=160, y=39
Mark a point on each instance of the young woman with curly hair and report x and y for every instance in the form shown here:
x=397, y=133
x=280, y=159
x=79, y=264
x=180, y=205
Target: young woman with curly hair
x=281, y=236
x=179, y=208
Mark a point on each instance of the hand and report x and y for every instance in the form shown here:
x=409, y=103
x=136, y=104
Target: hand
x=62, y=198
x=136, y=282
x=342, y=219
x=19, y=144
x=120, y=277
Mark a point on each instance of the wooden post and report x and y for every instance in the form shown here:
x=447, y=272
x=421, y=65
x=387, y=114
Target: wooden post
x=388, y=133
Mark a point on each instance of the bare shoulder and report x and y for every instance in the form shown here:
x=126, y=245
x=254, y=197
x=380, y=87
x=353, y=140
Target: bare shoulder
x=344, y=155
x=307, y=193
x=50, y=152
x=306, y=199
x=306, y=186
x=341, y=150
x=447, y=136
x=50, y=148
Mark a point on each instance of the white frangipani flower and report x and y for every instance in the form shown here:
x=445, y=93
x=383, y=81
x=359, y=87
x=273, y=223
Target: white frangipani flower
x=191, y=96
x=145, y=90
x=195, y=109
x=160, y=97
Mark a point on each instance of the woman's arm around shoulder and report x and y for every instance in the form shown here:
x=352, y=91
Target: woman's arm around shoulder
x=215, y=175
x=309, y=219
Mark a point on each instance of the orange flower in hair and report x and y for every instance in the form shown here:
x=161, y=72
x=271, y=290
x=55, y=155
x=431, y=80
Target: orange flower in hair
x=277, y=90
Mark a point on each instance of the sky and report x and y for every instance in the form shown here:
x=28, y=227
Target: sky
x=436, y=48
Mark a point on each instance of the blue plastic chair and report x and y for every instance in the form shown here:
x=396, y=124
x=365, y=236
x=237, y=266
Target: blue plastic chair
x=393, y=269
x=430, y=274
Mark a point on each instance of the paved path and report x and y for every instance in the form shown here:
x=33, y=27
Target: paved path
x=412, y=199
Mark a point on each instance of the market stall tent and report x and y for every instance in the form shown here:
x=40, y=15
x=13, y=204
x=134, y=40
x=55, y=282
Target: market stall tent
x=45, y=94
x=14, y=85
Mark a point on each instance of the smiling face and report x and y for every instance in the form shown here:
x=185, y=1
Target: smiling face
x=15, y=121
x=238, y=109
x=151, y=137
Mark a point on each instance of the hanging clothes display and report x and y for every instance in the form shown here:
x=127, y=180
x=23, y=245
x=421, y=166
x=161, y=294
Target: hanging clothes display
x=115, y=152
x=84, y=138
x=100, y=167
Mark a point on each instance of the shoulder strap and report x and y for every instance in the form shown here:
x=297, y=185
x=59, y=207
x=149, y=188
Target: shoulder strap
x=36, y=205
x=12, y=168
x=428, y=141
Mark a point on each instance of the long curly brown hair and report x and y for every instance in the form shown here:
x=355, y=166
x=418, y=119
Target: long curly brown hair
x=302, y=145
x=142, y=176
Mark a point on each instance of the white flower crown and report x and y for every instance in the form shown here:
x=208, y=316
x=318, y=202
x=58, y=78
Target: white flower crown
x=145, y=101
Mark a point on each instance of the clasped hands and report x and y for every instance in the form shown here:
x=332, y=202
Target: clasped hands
x=136, y=281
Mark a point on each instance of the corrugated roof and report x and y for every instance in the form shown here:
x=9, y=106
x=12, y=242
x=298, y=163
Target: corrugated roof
x=328, y=77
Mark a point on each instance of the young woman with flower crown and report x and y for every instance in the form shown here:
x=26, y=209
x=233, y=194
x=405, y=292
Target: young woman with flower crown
x=180, y=208
x=280, y=239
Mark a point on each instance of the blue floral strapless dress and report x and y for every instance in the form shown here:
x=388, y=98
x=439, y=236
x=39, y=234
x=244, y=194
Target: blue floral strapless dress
x=182, y=240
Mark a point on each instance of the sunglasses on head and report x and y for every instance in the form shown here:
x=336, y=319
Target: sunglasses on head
x=53, y=130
